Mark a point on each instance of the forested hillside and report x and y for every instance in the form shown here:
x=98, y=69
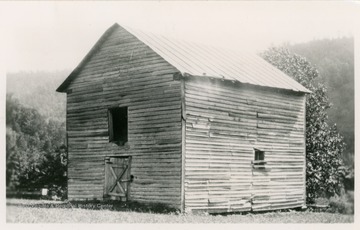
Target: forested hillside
x=35, y=132
x=35, y=149
x=37, y=90
x=335, y=61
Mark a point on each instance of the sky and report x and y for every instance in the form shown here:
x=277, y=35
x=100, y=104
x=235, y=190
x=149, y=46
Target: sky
x=49, y=36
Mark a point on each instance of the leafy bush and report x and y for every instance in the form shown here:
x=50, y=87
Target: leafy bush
x=342, y=204
x=324, y=145
x=349, y=178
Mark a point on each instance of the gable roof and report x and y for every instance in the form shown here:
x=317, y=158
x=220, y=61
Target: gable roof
x=206, y=61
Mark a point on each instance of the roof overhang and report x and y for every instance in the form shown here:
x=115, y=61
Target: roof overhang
x=184, y=75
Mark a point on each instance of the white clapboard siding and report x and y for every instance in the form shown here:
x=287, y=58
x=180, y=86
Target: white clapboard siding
x=224, y=122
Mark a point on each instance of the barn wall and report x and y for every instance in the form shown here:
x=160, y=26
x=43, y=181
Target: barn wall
x=125, y=72
x=224, y=123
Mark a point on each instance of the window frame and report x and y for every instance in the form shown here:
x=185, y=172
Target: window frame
x=121, y=140
x=259, y=159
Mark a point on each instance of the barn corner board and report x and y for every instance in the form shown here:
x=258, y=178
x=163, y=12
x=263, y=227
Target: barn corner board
x=152, y=119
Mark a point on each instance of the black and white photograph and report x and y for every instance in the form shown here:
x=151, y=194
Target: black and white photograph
x=179, y=112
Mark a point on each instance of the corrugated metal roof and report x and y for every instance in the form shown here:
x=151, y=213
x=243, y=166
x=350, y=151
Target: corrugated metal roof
x=201, y=60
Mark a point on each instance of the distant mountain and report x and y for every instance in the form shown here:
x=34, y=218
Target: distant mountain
x=37, y=90
x=334, y=58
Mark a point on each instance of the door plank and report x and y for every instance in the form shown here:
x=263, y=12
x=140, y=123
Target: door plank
x=117, y=179
x=117, y=176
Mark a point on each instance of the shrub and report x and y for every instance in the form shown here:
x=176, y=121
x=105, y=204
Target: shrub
x=342, y=204
x=349, y=178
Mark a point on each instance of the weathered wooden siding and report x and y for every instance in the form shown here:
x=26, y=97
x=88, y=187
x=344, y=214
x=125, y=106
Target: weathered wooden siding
x=224, y=123
x=125, y=72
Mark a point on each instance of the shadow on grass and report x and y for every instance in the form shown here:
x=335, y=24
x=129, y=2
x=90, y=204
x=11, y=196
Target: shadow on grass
x=277, y=211
x=129, y=206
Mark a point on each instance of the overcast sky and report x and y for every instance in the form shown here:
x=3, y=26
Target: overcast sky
x=57, y=35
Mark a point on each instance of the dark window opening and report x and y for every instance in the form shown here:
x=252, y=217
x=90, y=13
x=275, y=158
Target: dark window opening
x=259, y=158
x=118, y=125
x=259, y=155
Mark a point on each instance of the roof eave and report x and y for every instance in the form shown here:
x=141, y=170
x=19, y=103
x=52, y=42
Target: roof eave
x=305, y=91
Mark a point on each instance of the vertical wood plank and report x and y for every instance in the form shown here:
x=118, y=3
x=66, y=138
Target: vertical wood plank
x=110, y=125
x=183, y=143
x=304, y=105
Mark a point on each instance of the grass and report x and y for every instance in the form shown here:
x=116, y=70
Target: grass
x=44, y=211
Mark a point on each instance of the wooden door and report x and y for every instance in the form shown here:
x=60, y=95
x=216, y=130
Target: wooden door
x=117, y=178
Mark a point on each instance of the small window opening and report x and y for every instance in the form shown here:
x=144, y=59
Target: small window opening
x=259, y=158
x=118, y=125
x=259, y=155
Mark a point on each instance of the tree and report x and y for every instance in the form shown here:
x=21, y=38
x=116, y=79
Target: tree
x=35, y=149
x=324, y=145
x=334, y=58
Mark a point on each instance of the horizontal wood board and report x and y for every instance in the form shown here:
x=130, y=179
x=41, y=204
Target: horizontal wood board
x=125, y=72
x=224, y=123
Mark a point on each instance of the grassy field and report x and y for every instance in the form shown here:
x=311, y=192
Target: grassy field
x=44, y=211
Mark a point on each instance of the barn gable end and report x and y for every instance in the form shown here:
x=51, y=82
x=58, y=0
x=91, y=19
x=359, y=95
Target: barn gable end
x=124, y=72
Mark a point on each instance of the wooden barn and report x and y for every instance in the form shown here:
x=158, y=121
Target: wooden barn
x=154, y=119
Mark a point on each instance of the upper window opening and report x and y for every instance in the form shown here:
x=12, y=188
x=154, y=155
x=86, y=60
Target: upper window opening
x=118, y=125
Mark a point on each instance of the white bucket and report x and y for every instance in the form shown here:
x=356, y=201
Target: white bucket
x=44, y=191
